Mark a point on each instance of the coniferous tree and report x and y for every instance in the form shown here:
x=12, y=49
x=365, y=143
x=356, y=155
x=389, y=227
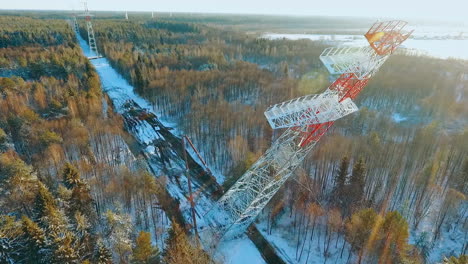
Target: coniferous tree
x=103, y=254
x=3, y=140
x=10, y=240
x=55, y=223
x=64, y=249
x=180, y=250
x=340, y=182
x=81, y=199
x=8, y=251
x=144, y=252
x=463, y=259
x=43, y=199
x=357, y=182
x=71, y=176
x=34, y=243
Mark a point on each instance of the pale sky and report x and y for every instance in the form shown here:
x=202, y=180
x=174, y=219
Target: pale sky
x=435, y=9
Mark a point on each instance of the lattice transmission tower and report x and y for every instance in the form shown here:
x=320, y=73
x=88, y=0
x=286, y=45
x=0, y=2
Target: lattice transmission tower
x=306, y=119
x=89, y=27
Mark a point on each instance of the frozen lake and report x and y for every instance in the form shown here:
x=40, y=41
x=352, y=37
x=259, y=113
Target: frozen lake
x=440, y=48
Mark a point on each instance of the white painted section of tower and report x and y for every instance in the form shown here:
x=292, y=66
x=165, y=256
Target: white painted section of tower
x=309, y=110
x=362, y=61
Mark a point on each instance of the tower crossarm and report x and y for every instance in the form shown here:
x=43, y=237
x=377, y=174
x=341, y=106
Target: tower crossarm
x=363, y=62
x=310, y=109
x=384, y=37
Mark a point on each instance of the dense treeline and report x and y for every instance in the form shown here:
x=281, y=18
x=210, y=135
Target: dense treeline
x=23, y=31
x=71, y=189
x=216, y=83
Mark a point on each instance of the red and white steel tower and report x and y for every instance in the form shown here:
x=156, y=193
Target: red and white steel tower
x=89, y=27
x=306, y=120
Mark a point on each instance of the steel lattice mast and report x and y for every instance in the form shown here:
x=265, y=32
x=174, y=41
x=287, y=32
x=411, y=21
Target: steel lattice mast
x=306, y=120
x=89, y=27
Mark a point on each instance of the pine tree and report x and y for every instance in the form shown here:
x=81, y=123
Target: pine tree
x=144, y=252
x=103, y=254
x=34, y=247
x=81, y=199
x=10, y=240
x=8, y=251
x=64, y=249
x=3, y=140
x=340, y=182
x=463, y=259
x=71, y=177
x=43, y=199
x=180, y=250
x=342, y=173
x=357, y=181
x=64, y=245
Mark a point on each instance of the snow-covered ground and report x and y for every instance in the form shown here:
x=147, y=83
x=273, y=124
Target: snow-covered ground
x=285, y=244
x=239, y=251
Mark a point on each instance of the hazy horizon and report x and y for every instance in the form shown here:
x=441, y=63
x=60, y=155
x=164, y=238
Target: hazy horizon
x=449, y=10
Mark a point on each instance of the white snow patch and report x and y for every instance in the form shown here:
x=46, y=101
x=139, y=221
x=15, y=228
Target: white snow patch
x=239, y=251
x=398, y=118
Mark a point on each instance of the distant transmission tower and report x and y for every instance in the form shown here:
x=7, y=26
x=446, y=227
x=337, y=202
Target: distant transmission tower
x=306, y=120
x=76, y=27
x=89, y=27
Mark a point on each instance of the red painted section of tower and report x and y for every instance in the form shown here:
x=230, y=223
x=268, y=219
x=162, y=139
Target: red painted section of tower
x=314, y=133
x=348, y=86
x=385, y=37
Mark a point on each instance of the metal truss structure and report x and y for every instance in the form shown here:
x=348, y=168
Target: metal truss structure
x=306, y=120
x=310, y=109
x=385, y=37
x=76, y=27
x=361, y=61
x=89, y=28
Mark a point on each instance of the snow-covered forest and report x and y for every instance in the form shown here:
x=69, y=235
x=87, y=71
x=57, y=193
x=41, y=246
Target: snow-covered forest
x=387, y=184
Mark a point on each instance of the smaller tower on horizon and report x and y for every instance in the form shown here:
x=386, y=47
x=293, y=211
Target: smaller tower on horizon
x=152, y=14
x=126, y=15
